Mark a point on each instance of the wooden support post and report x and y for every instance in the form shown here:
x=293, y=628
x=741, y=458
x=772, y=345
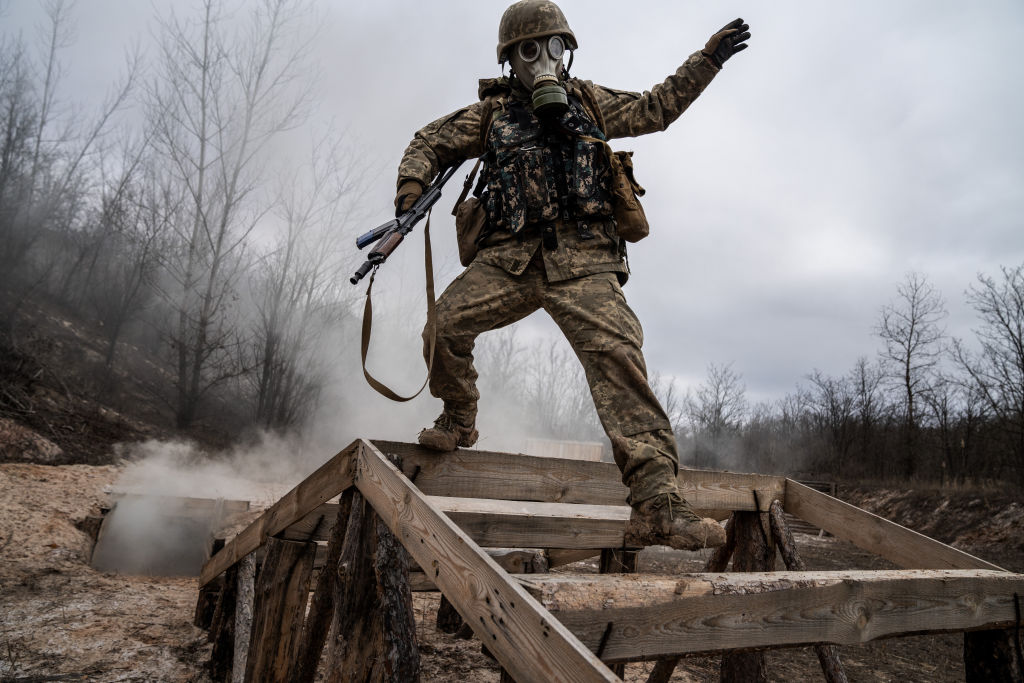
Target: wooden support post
x=448, y=618
x=618, y=561
x=828, y=655
x=321, y=609
x=374, y=632
x=993, y=656
x=753, y=554
x=222, y=629
x=206, y=605
x=401, y=656
x=717, y=563
x=243, y=615
x=281, y=594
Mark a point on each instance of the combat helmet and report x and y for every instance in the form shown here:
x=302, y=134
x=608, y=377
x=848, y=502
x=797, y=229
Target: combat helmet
x=532, y=19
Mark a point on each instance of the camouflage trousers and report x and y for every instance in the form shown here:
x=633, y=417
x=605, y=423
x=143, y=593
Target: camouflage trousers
x=604, y=333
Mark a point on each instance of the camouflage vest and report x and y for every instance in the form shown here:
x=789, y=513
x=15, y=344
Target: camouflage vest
x=538, y=171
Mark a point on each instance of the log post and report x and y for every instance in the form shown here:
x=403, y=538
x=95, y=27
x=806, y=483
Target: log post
x=401, y=656
x=993, y=656
x=373, y=630
x=243, y=615
x=618, y=561
x=448, y=618
x=753, y=553
x=222, y=628
x=281, y=594
x=318, y=623
x=206, y=605
x=828, y=655
x=718, y=562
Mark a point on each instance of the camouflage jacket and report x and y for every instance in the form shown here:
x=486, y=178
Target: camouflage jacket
x=461, y=135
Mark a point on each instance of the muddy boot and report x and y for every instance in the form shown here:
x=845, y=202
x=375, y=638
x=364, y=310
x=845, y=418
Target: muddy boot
x=447, y=434
x=669, y=520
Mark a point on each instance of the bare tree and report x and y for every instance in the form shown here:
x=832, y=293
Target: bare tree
x=997, y=371
x=716, y=410
x=138, y=208
x=297, y=289
x=218, y=100
x=911, y=328
x=833, y=404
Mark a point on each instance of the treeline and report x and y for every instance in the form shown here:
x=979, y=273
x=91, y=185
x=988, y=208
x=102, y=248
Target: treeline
x=923, y=407
x=165, y=217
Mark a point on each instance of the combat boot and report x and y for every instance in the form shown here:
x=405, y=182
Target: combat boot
x=447, y=434
x=669, y=520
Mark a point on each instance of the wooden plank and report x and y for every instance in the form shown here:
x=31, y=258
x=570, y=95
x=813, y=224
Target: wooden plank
x=654, y=617
x=281, y=594
x=524, y=637
x=505, y=476
x=505, y=523
x=333, y=477
x=184, y=505
x=875, y=534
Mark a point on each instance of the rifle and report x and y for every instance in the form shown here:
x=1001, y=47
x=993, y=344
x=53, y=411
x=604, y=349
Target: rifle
x=389, y=235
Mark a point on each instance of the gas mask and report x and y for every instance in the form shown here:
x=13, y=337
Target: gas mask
x=537, y=62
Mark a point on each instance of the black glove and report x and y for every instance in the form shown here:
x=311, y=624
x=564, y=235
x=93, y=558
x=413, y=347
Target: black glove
x=727, y=42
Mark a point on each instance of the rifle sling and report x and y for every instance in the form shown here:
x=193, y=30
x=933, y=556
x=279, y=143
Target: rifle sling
x=380, y=387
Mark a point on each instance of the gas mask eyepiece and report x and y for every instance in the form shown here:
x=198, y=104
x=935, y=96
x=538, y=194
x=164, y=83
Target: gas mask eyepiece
x=537, y=63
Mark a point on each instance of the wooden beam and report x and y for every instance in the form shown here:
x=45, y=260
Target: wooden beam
x=325, y=483
x=505, y=476
x=505, y=523
x=875, y=534
x=524, y=637
x=656, y=617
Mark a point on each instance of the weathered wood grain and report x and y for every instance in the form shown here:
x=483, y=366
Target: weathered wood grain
x=471, y=473
x=325, y=483
x=870, y=532
x=321, y=608
x=527, y=641
x=656, y=617
x=243, y=616
x=279, y=607
x=753, y=553
x=828, y=655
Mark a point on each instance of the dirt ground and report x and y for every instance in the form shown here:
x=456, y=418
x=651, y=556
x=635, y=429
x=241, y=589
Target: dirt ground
x=62, y=620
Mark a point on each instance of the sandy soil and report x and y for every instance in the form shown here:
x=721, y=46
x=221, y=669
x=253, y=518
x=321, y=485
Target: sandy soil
x=62, y=620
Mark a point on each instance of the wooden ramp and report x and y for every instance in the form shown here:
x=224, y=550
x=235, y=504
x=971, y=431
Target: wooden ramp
x=452, y=511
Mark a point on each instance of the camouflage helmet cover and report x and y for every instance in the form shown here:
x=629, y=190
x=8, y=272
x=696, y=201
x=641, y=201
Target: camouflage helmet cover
x=532, y=19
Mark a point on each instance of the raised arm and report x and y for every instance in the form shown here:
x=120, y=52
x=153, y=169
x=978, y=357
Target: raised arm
x=628, y=114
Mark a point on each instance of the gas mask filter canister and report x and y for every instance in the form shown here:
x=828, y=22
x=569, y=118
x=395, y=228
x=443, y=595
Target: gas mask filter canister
x=537, y=63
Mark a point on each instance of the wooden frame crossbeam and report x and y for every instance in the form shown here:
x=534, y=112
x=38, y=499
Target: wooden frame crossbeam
x=643, y=617
x=898, y=544
x=444, y=508
x=504, y=476
x=333, y=477
x=529, y=643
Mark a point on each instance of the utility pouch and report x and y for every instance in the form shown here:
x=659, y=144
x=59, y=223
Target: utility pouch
x=630, y=220
x=470, y=218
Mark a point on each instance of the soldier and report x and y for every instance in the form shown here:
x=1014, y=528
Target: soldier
x=550, y=242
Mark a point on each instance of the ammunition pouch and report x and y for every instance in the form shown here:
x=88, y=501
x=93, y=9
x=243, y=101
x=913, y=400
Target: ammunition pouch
x=630, y=220
x=470, y=218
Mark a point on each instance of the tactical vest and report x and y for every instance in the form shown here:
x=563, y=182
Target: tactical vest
x=537, y=171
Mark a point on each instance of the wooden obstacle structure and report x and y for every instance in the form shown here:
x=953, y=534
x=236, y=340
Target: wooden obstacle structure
x=375, y=498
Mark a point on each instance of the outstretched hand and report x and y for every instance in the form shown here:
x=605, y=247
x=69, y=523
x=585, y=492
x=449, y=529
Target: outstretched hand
x=727, y=42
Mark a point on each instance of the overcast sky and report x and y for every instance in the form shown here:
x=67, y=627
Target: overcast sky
x=851, y=143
